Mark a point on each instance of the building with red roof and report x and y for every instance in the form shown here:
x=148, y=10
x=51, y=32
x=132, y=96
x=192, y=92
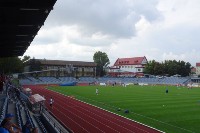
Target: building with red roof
x=128, y=67
x=193, y=70
x=198, y=68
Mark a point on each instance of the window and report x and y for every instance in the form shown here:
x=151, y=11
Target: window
x=139, y=70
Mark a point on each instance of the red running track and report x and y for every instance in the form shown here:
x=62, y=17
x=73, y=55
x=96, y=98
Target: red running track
x=84, y=118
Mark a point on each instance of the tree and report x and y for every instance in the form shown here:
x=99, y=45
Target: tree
x=25, y=58
x=168, y=67
x=9, y=65
x=187, y=69
x=151, y=67
x=102, y=60
x=35, y=65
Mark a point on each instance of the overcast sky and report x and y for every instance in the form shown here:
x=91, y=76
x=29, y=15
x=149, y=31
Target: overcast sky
x=158, y=29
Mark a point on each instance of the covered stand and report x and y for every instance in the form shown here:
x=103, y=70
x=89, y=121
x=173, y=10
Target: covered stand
x=36, y=103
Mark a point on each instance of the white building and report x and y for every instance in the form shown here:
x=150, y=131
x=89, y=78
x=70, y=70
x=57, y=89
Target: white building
x=128, y=67
x=197, y=68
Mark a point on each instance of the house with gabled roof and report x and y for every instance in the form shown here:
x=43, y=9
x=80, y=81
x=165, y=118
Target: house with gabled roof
x=128, y=67
x=198, y=68
x=195, y=72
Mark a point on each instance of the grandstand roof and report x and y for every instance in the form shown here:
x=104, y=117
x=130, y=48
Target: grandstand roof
x=64, y=63
x=20, y=20
x=131, y=61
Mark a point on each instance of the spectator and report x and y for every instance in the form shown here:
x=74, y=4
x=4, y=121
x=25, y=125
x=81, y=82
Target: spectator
x=3, y=130
x=7, y=124
x=1, y=83
x=17, y=91
x=35, y=130
x=27, y=127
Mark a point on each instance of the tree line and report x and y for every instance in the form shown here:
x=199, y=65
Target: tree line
x=10, y=65
x=168, y=68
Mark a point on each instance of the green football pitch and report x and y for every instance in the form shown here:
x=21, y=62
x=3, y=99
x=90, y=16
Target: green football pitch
x=175, y=112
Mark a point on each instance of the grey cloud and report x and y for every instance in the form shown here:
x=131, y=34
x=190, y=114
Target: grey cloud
x=178, y=39
x=46, y=40
x=48, y=36
x=115, y=18
x=91, y=42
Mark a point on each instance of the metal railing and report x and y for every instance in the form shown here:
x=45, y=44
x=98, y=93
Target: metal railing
x=59, y=126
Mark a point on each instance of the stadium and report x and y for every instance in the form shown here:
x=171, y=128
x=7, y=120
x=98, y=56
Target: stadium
x=65, y=96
